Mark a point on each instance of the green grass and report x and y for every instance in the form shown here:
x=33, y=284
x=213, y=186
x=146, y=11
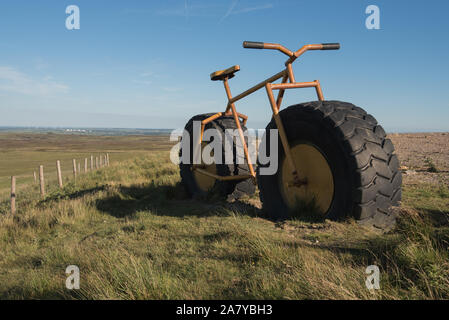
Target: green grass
x=135, y=235
x=22, y=153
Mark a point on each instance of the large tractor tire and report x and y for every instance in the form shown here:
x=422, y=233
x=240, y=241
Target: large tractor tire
x=349, y=165
x=200, y=185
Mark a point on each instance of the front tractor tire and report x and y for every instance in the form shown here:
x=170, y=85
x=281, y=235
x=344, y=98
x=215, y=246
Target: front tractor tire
x=345, y=157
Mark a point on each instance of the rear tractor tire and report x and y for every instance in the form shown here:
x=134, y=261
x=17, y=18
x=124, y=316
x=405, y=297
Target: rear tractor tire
x=200, y=185
x=345, y=157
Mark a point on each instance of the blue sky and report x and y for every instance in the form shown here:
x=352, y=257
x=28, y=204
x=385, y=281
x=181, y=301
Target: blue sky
x=146, y=64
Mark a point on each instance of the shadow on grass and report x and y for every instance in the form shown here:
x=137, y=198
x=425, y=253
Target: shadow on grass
x=20, y=293
x=167, y=200
x=172, y=200
x=64, y=195
x=307, y=211
x=363, y=252
x=438, y=218
x=426, y=231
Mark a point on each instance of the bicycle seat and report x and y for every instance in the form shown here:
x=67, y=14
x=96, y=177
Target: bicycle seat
x=222, y=74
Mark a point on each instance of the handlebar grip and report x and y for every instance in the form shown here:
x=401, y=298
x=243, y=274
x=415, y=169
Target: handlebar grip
x=253, y=45
x=330, y=46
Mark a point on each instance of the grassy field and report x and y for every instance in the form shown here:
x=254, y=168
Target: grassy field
x=135, y=235
x=21, y=154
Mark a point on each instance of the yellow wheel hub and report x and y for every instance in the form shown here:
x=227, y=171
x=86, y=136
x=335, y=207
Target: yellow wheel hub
x=204, y=182
x=313, y=166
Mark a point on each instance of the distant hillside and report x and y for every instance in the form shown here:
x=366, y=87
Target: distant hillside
x=88, y=131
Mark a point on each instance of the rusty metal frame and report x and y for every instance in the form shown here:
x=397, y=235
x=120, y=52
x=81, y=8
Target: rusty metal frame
x=287, y=75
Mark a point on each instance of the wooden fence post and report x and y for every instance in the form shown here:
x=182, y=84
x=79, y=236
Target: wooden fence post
x=107, y=158
x=91, y=163
x=35, y=177
x=58, y=169
x=85, y=165
x=101, y=161
x=74, y=168
x=13, y=195
x=41, y=180
x=96, y=162
x=79, y=167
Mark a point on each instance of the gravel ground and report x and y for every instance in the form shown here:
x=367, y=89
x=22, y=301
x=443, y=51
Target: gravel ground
x=418, y=151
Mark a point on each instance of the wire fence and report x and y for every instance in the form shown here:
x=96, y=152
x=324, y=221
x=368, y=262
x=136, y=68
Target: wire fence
x=79, y=167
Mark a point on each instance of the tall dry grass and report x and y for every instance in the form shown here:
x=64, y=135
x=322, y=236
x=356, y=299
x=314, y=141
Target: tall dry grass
x=135, y=235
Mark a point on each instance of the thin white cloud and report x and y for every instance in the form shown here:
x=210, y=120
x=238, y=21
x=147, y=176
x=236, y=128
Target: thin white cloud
x=15, y=81
x=204, y=10
x=231, y=10
x=145, y=78
x=144, y=82
x=231, y=7
x=147, y=74
x=172, y=89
